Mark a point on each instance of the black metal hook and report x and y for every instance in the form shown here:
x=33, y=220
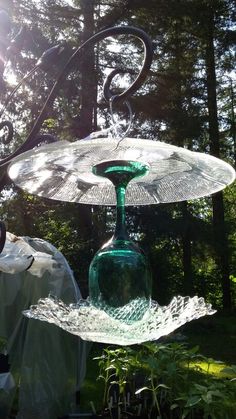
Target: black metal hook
x=119, y=30
x=107, y=92
x=2, y=236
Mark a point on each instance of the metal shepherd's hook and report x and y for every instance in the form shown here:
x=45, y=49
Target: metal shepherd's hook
x=33, y=138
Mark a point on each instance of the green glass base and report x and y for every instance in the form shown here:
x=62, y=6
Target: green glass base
x=119, y=274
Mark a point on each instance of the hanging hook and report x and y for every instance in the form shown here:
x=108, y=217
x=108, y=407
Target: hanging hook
x=119, y=30
x=73, y=60
x=116, y=126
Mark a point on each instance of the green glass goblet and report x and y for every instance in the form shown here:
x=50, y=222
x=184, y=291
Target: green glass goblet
x=119, y=274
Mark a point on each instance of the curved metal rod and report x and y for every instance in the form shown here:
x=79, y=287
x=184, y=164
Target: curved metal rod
x=4, y=107
x=119, y=30
x=2, y=236
x=116, y=126
x=107, y=93
x=51, y=52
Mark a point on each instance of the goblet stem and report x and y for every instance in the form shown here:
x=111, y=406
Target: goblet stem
x=120, y=230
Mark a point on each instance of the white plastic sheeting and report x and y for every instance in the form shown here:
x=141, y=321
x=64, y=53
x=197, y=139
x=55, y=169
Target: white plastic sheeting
x=7, y=389
x=48, y=363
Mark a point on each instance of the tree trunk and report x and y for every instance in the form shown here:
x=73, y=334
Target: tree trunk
x=4, y=42
x=84, y=122
x=88, y=79
x=188, y=287
x=178, y=129
x=221, y=240
x=233, y=123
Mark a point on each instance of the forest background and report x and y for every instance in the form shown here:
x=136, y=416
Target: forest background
x=187, y=100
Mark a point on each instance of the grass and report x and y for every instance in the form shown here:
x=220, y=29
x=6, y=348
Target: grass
x=214, y=368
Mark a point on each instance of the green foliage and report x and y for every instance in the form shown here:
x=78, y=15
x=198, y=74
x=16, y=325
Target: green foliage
x=165, y=380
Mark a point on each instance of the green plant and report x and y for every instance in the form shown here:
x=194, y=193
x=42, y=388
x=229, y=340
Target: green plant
x=115, y=366
x=166, y=381
x=231, y=371
x=213, y=398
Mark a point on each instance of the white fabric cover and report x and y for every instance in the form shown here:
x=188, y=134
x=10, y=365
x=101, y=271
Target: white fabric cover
x=48, y=363
x=7, y=390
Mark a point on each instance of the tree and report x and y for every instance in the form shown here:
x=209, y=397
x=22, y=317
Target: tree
x=221, y=242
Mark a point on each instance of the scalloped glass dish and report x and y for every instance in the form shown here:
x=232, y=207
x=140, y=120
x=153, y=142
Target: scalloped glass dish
x=95, y=324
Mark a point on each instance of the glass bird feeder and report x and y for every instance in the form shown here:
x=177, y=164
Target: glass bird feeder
x=108, y=171
x=117, y=171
